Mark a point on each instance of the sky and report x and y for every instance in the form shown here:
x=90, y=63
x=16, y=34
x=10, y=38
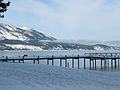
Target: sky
x=68, y=19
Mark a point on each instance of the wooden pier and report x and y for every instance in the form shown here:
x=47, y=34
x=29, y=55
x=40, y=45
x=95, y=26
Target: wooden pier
x=106, y=60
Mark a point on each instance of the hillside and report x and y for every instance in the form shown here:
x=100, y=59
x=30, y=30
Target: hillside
x=23, y=38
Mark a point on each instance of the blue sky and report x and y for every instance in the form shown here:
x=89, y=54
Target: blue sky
x=68, y=19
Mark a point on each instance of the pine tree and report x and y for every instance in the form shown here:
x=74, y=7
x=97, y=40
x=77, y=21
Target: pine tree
x=3, y=7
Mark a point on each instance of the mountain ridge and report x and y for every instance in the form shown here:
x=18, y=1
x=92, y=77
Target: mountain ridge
x=24, y=38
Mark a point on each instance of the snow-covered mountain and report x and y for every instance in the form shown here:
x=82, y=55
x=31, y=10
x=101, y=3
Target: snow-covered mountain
x=19, y=38
x=11, y=32
x=12, y=37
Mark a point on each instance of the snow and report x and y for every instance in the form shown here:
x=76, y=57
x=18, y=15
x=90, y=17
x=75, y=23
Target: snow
x=25, y=28
x=10, y=32
x=12, y=36
x=10, y=27
x=20, y=46
x=98, y=48
x=14, y=76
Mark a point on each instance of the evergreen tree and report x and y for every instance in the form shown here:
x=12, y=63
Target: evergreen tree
x=3, y=7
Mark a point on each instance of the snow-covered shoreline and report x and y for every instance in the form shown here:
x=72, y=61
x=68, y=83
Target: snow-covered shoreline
x=14, y=76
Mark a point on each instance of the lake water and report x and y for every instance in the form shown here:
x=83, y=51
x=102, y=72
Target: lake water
x=13, y=54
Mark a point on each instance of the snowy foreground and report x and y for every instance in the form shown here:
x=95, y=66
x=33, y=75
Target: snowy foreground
x=14, y=76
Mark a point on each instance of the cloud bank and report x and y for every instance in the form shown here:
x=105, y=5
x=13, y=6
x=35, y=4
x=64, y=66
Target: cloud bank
x=69, y=19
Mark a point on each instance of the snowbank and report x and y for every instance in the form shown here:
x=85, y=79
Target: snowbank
x=14, y=76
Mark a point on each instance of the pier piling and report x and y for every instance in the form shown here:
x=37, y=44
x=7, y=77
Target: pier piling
x=72, y=63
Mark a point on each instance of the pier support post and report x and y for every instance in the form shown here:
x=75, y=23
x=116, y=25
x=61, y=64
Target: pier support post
x=38, y=60
x=19, y=61
x=52, y=60
x=68, y=65
x=90, y=63
x=118, y=63
x=78, y=62
x=101, y=64
x=47, y=61
x=108, y=63
x=6, y=59
x=111, y=63
x=115, y=63
x=84, y=64
x=60, y=62
x=34, y=61
x=105, y=64
x=65, y=60
x=23, y=60
x=72, y=63
x=95, y=64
